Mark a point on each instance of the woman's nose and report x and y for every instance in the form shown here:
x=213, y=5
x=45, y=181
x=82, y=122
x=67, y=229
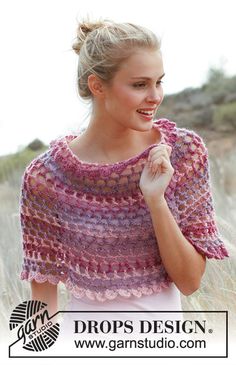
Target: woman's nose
x=155, y=97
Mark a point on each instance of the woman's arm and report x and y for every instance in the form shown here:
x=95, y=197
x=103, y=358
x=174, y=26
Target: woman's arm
x=47, y=293
x=182, y=262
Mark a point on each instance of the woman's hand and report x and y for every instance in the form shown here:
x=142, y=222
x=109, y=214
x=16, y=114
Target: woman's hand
x=157, y=173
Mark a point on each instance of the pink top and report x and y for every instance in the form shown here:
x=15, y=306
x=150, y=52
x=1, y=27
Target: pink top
x=87, y=224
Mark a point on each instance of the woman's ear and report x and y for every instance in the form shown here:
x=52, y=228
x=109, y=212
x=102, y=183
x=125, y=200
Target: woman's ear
x=95, y=85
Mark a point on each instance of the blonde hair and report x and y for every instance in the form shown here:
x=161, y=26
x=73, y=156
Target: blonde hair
x=103, y=45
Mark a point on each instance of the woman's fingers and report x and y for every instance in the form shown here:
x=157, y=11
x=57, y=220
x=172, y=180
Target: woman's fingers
x=158, y=162
x=158, y=156
x=159, y=149
x=169, y=150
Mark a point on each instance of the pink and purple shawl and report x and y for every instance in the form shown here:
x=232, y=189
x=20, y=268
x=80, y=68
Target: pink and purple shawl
x=87, y=224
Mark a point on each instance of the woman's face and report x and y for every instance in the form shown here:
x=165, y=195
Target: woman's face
x=136, y=88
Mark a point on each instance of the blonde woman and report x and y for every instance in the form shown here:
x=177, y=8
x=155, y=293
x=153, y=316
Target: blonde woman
x=121, y=213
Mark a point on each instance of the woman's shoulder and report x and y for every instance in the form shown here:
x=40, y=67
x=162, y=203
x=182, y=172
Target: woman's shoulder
x=184, y=139
x=35, y=169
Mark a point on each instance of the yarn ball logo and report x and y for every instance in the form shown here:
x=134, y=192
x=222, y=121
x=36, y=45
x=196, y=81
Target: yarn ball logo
x=34, y=325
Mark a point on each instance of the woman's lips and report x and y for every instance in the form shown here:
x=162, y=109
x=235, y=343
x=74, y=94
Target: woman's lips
x=145, y=116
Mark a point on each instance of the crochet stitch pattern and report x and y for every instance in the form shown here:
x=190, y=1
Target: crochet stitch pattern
x=87, y=224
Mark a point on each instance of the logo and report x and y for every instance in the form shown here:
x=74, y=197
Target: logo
x=34, y=325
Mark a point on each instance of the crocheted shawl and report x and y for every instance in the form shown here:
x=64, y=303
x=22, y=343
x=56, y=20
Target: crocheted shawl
x=87, y=224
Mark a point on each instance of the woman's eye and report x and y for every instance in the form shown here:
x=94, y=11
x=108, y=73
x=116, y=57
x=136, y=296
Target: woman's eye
x=143, y=84
x=139, y=85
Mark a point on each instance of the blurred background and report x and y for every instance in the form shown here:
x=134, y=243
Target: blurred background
x=39, y=102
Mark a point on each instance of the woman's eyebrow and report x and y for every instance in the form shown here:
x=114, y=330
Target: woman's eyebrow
x=146, y=78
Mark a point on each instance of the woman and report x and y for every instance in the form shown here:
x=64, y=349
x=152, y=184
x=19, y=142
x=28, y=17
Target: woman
x=121, y=213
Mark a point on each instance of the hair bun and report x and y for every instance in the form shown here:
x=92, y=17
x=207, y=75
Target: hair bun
x=84, y=28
